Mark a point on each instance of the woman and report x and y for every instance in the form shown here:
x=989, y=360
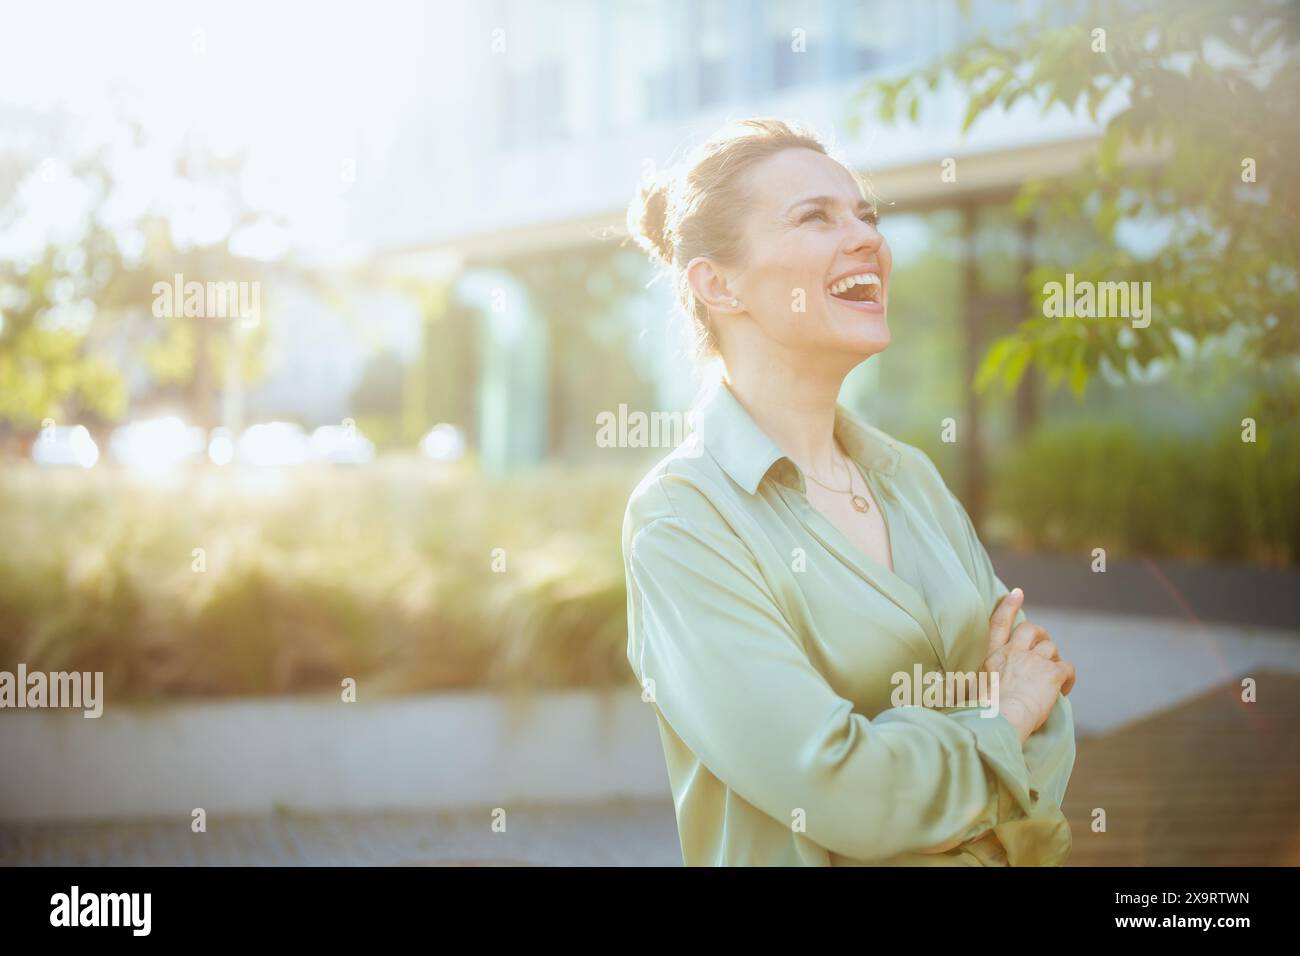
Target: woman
x=788, y=562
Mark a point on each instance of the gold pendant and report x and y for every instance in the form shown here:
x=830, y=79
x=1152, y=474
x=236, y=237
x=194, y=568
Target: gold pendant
x=860, y=503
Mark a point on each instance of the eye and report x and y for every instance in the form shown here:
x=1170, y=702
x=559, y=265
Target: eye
x=871, y=215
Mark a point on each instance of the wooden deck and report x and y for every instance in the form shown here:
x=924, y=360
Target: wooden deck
x=1212, y=782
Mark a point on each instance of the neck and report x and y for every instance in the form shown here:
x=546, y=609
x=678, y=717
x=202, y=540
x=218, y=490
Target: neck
x=795, y=407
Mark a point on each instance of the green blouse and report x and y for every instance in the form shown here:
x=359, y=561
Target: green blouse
x=767, y=643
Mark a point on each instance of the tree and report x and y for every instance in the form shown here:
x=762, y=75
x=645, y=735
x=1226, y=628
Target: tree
x=1206, y=90
x=75, y=303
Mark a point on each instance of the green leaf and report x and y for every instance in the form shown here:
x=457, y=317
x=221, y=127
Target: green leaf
x=1078, y=367
x=993, y=360
x=888, y=104
x=974, y=68
x=1016, y=365
x=1079, y=378
x=978, y=105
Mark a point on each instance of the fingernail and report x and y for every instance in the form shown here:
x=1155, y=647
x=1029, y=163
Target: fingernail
x=1017, y=592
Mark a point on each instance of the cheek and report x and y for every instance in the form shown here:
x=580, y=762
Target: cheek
x=791, y=268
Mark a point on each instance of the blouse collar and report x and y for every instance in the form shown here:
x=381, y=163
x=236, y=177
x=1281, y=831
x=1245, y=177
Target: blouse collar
x=747, y=453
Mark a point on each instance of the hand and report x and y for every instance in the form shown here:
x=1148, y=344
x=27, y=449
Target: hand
x=1029, y=667
x=1027, y=636
x=1030, y=672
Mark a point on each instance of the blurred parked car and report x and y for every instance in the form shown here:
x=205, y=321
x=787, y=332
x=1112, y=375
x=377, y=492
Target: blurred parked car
x=340, y=445
x=444, y=442
x=273, y=443
x=221, y=446
x=156, y=444
x=69, y=445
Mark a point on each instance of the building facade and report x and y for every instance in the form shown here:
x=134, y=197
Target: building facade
x=561, y=107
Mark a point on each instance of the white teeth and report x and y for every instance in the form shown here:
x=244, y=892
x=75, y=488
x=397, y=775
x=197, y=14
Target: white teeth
x=866, y=278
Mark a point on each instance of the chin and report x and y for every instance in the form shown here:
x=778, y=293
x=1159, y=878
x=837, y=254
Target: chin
x=861, y=328
x=868, y=335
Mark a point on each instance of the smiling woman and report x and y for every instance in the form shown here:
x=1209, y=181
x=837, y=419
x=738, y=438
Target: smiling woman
x=789, y=560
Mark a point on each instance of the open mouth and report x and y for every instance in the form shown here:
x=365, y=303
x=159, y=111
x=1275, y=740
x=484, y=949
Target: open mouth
x=860, y=288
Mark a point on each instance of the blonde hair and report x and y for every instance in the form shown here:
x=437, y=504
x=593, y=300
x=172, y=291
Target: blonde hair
x=696, y=207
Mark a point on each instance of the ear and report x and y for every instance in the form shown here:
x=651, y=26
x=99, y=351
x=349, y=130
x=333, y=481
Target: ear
x=710, y=286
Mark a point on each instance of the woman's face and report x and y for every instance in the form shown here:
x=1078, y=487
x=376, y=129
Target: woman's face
x=808, y=228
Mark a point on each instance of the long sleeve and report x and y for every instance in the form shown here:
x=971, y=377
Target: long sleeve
x=1049, y=751
x=729, y=674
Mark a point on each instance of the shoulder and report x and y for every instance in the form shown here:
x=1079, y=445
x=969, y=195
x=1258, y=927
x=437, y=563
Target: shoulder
x=685, y=490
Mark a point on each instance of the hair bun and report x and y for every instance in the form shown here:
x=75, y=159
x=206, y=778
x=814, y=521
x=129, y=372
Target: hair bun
x=647, y=220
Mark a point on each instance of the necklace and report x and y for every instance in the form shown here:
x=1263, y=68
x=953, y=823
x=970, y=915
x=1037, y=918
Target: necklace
x=858, y=501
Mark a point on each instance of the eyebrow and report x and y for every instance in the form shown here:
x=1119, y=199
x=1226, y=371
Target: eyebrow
x=825, y=201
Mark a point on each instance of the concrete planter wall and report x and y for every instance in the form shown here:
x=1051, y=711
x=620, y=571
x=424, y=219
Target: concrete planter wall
x=317, y=754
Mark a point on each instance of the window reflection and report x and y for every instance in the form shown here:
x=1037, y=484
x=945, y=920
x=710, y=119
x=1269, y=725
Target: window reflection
x=796, y=37
x=715, y=40
x=875, y=34
x=640, y=65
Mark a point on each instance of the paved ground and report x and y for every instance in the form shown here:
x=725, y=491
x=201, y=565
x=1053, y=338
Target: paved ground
x=1186, y=774
x=1131, y=666
x=1224, y=593
x=1212, y=782
x=623, y=833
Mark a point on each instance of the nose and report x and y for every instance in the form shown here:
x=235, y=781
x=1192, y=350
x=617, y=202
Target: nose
x=863, y=239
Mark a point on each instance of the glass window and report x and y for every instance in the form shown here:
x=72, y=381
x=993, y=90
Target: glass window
x=715, y=43
x=534, y=79
x=640, y=63
x=875, y=34
x=796, y=38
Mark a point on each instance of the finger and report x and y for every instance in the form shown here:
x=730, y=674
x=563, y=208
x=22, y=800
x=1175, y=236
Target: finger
x=1003, y=615
x=1026, y=635
x=1068, y=684
x=1046, y=648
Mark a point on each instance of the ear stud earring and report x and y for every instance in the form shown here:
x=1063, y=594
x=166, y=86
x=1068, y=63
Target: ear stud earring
x=735, y=303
